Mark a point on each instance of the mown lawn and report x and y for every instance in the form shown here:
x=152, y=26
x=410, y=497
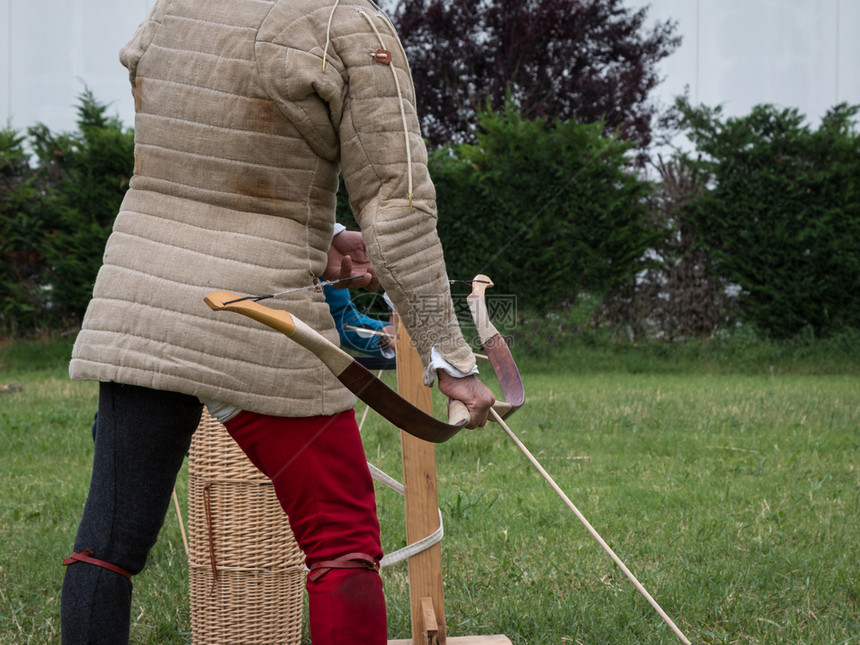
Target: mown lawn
x=733, y=497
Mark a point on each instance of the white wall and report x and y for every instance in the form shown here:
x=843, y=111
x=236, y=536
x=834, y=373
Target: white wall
x=51, y=49
x=739, y=53
x=794, y=53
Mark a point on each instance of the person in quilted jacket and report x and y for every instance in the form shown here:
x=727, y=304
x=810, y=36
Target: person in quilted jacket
x=247, y=113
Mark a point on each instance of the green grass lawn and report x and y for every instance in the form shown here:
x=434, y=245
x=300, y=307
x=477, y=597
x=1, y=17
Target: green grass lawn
x=734, y=498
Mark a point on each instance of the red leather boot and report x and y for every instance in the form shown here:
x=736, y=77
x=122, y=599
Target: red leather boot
x=347, y=607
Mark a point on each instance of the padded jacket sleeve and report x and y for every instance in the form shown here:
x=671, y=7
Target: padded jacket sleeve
x=361, y=109
x=133, y=50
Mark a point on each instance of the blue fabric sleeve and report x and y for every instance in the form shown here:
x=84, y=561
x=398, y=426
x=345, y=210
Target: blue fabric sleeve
x=345, y=313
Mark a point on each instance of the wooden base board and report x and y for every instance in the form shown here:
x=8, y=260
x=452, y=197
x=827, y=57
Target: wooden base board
x=498, y=639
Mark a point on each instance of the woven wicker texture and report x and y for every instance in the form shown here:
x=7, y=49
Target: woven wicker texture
x=236, y=522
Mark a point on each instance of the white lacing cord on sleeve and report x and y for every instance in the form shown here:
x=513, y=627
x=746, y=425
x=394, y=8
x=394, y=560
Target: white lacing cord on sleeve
x=328, y=33
x=399, y=98
x=416, y=547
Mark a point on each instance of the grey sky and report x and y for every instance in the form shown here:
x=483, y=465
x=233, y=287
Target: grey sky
x=793, y=53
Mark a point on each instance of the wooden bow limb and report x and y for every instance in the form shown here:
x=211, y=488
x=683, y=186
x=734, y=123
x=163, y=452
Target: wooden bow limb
x=590, y=528
x=497, y=352
x=495, y=347
x=347, y=370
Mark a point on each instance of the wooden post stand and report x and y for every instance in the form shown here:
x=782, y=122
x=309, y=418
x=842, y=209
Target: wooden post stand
x=422, y=504
x=422, y=512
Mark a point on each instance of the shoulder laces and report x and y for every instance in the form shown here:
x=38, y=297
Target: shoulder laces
x=382, y=59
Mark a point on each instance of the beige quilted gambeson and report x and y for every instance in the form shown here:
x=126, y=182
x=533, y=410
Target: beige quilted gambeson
x=241, y=132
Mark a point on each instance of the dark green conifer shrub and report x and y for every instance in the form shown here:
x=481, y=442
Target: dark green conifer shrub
x=781, y=217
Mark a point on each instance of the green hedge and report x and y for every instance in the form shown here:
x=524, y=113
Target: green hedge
x=782, y=217
x=56, y=215
x=22, y=267
x=548, y=211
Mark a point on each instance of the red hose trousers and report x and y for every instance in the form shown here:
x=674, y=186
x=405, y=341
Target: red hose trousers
x=321, y=478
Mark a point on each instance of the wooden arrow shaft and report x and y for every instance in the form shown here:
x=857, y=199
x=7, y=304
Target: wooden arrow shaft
x=590, y=529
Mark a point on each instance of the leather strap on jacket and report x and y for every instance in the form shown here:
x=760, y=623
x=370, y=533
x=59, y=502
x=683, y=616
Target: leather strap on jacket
x=348, y=561
x=85, y=557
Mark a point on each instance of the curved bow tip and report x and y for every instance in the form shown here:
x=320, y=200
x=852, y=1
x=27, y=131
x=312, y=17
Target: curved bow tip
x=480, y=283
x=484, y=279
x=495, y=346
x=218, y=300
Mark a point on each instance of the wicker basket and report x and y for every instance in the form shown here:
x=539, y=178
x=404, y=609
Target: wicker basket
x=239, y=534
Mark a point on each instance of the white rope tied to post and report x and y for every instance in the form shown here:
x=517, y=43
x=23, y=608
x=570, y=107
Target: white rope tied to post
x=410, y=549
x=383, y=478
x=416, y=547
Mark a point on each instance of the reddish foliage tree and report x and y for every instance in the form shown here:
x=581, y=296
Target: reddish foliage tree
x=588, y=60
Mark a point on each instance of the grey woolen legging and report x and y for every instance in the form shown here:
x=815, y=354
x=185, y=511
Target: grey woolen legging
x=141, y=440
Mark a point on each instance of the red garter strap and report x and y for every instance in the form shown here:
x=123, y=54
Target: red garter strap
x=348, y=561
x=85, y=557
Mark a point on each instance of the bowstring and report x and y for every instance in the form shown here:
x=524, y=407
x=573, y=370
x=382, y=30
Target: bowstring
x=316, y=286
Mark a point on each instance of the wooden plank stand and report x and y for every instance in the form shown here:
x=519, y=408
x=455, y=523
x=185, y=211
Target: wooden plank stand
x=419, y=479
